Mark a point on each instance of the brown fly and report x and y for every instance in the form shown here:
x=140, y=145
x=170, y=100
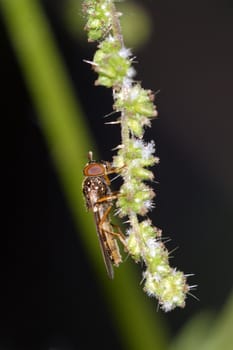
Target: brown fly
x=99, y=199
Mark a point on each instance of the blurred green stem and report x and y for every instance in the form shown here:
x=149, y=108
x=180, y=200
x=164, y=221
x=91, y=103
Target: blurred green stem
x=68, y=140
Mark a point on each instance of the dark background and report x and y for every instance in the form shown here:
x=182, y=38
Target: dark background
x=48, y=291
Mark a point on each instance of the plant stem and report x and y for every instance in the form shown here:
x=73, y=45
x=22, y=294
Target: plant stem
x=116, y=27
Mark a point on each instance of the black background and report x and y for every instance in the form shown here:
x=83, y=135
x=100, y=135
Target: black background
x=49, y=299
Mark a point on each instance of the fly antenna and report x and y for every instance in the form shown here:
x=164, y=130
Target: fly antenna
x=90, y=156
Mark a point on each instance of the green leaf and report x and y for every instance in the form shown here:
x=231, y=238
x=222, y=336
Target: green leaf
x=194, y=332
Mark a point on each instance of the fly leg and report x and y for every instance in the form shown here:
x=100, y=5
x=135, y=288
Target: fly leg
x=118, y=234
x=109, y=197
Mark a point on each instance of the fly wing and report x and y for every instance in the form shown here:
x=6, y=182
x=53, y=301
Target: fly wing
x=101, y=237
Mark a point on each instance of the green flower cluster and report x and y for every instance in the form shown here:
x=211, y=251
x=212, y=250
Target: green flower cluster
x=138, y=104
x=136, y=158
x=135, y=195
x=170, y=290
x=98, y=18
x=113, y=64
x=160, y=280
x=148, y=233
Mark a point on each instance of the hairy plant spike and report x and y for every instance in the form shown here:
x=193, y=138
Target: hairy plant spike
x=113, y=64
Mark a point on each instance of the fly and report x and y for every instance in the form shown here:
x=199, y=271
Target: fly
x=99, y=199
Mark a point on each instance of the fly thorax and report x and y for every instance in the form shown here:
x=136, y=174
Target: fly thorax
x=94, y=188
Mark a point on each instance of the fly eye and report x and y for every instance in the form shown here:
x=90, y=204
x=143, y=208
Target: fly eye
x=94, y=169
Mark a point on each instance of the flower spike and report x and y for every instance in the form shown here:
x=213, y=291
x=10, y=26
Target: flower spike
x=113, y=64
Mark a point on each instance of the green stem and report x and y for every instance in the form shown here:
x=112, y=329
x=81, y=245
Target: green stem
x=116, y=27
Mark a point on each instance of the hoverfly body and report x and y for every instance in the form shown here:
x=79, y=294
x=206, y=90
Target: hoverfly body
x=99, y=199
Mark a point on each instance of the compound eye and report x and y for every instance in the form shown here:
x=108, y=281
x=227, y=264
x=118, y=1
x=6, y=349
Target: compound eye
x=94, y=169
